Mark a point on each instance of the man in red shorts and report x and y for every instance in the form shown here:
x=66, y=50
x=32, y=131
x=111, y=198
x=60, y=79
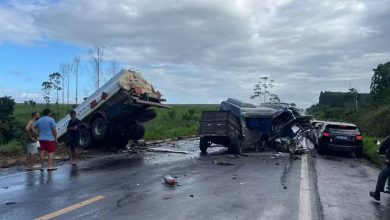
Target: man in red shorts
x=47, y=138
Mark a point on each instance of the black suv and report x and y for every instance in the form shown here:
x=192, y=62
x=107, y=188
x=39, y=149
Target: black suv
x=339, y=136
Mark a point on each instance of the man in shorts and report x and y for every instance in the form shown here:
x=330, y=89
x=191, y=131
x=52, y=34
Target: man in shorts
x=31, y=142
x=47, y=138
x=73, y=135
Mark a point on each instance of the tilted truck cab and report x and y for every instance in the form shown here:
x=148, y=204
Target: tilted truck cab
x=116, y=112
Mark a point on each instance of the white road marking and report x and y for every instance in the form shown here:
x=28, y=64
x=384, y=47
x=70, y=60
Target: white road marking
x=304, y=191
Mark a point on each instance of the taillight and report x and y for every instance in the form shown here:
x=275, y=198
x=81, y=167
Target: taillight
x=358, y=137
x=326, y=134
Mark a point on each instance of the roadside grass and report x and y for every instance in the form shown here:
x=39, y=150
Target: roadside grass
x=13, y=147
x=180, y=121
x=23, y=112
x=370, y=150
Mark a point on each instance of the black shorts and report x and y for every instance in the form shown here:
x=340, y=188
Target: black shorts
x=73, y=143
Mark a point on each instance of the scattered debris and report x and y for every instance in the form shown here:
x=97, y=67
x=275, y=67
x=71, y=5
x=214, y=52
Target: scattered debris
x=276, y=164
x=223, y=163
x=191, y=196
x=5, y=187
x=167, y=197
x=234, y=178
x=162, y=150
x=272, y=157
x=284, y=187
x=169, y=180
x=10, y=203
x=280, y=154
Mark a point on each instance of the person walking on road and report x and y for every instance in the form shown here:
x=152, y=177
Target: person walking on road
x=47, y=138
x=384, y=149
x=31, y=141
x=73, y=135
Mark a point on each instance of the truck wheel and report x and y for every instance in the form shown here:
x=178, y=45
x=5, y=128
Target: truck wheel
x=86, y=138
x=136, y=131
x=99, y=128
x=203, y=144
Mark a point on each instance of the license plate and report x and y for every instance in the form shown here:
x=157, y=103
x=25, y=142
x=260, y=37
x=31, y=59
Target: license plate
x=342, y=137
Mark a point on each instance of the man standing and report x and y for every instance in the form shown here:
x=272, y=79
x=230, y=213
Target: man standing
x=385, y=173
x=73, y=135
x=32, y=141
x=47, y=138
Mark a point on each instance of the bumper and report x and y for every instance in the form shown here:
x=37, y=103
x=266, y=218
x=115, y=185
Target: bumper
x=342, y=148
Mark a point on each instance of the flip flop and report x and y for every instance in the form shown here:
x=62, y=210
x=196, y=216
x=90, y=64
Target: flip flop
x=52, y=169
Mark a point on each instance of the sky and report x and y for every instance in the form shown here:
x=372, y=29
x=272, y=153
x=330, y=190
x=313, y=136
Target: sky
x=198, y=51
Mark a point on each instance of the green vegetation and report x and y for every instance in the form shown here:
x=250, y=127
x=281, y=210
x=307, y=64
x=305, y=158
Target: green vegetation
x=180, y=121
x=370, y=112
x=370, y=151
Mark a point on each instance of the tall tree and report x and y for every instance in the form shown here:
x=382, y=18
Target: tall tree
x=261, y=91
x=96, y=60
x=380, y=82
x=55, y=79
x=47, y=86
x=114, y=68
x=65, y=69
x=76, y=73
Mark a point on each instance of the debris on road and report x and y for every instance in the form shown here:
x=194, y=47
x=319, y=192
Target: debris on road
x=169, y=180
x=191, y=196
x=222, y=163
x=10, y=203
x=162, y=150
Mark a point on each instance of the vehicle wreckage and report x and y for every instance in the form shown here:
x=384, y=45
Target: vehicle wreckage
x=239, y=126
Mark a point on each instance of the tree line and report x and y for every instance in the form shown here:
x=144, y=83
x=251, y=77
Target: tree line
x=371, y=112
x=60, y=81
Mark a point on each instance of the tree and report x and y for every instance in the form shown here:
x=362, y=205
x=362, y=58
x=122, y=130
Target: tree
x=261, y=90
x=96, y=61
x=76, y=73
x=47, y=86
x=114, y=68
x=380, y=82
x=55, y=79
x=354, y=96
x=7, y=107
x=65, y=79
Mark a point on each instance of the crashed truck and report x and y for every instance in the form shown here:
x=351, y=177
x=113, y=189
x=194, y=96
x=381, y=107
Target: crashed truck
x=238, y=126
x=116, y=112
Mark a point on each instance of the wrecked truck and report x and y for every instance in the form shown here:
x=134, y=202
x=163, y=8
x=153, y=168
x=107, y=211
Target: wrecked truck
x=236, y=125
x=116, y=112
x=268, y=125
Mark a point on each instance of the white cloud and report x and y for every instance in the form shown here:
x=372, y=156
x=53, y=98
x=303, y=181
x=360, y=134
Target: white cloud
x=203, y=51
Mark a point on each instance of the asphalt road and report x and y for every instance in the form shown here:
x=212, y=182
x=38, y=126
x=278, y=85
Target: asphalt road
x=257, y=185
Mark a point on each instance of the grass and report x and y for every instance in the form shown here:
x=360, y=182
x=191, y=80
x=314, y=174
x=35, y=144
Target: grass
x=11, y=148
x=180, y=121
x=370, y=150
x=23, y=112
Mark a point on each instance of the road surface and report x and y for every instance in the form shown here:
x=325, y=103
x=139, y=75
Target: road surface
x=257, y=185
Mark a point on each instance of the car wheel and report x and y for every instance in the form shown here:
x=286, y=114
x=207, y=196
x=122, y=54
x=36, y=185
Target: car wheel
x=359, y=152
x=320, y=148
x=204, y=144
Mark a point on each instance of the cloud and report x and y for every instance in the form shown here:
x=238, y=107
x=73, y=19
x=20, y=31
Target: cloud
x=20, y=96
x=205, y=51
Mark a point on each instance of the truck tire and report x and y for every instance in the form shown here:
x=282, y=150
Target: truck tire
x=99, y=128
x=86, y=139
x=204, y=144
x=136, y=131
